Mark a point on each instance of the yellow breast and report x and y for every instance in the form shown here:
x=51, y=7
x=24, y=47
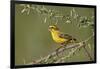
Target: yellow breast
x=56, y=38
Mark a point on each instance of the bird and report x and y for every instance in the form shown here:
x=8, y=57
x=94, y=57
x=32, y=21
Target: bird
x=61, y=38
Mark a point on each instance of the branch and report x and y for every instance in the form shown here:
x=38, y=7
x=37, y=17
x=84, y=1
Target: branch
x=55, y=58
x=87, y=53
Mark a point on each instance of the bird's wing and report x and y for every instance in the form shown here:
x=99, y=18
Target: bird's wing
x=66, y=36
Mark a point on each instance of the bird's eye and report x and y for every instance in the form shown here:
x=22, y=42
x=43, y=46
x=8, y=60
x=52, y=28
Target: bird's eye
x=52, y=27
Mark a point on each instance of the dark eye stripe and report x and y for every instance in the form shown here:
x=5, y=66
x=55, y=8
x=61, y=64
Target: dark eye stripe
x=52, y=27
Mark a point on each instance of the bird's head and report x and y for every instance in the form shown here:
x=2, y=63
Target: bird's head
x=53, y=28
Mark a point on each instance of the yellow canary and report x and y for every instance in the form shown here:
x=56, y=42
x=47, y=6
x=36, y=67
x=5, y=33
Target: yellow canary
x=59, y=37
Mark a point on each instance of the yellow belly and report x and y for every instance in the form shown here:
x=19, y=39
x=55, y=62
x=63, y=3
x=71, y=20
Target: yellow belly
x=57, y=39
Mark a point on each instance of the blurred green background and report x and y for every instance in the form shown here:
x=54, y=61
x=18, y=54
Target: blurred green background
x=33, y=40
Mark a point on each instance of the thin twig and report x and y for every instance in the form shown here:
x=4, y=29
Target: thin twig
x=70, y=53
x=88, y=54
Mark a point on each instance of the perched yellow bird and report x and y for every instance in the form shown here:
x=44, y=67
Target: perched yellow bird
x=59, y=37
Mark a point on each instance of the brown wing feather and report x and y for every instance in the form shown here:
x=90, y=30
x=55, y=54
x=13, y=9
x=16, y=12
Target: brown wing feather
x=66, y=36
